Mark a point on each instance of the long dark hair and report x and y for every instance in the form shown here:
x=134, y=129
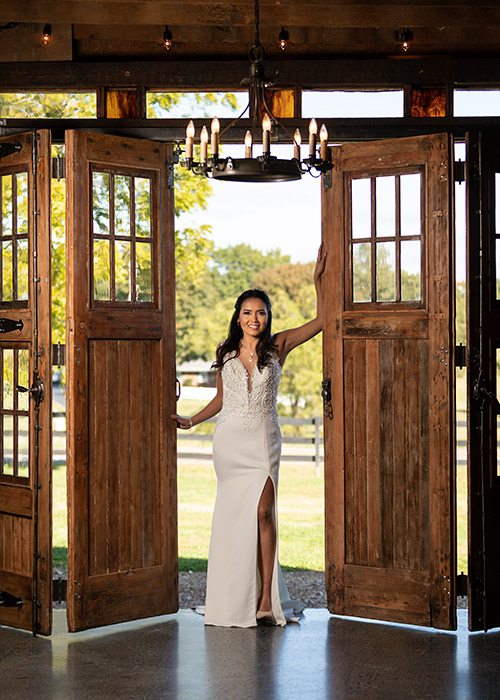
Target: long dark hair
x=265, y=346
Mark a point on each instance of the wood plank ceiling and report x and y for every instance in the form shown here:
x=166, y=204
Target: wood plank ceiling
x=133, y=29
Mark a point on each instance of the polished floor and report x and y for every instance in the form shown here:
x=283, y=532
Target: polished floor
x=175, y=656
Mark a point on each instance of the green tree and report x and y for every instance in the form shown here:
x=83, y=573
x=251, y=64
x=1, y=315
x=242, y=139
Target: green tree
x=193, y=244
x=293, y=296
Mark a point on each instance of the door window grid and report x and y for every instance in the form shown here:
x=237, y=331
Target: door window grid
x=14, y=229
x=14, y=410
x=122, y=233
x=386, y=235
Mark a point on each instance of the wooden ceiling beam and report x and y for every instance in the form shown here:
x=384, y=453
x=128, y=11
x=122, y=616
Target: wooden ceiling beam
x=178, y=75
x=324, y=14
x=99, y=41
x=174, y=130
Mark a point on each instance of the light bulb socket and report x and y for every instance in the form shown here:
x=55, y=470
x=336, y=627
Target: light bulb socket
x=405, y=37
x=283, y=38
x=46, y=34
x=167, y=38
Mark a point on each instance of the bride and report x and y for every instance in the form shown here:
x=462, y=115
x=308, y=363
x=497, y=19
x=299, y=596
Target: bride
x=245, y=585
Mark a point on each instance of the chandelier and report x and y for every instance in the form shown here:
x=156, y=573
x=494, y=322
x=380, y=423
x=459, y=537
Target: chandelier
x=264, y=167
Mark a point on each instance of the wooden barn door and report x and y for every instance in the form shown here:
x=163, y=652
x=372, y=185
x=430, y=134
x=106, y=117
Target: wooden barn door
x=388, y=386
x=121, y=445
x=25, y=376
x=483, y=378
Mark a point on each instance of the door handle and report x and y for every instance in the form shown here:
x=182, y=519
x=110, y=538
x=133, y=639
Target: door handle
x=36, y=391
x=177, y=389
x=486, y=394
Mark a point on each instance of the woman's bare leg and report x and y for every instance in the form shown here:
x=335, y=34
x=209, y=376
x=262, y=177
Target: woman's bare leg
x=267, y=543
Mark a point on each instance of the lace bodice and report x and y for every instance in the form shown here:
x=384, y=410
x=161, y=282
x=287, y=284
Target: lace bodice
x=250, y=398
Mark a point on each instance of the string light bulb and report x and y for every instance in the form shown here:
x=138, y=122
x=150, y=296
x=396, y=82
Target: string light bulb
x=405, y=37
x=167, y=38
x=283, y=38
x=47, y=34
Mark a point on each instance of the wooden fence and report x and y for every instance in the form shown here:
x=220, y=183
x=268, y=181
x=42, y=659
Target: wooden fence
x=204, y=440
x=314, y=455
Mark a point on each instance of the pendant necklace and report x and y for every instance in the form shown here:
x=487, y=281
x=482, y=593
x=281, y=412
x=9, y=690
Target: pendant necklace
x=250, y=355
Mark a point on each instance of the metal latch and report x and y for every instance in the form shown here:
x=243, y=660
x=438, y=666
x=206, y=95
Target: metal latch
x=486, y=394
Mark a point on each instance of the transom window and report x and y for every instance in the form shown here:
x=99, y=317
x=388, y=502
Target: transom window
x=14, y=225
x=122, y=235
x=386, y=236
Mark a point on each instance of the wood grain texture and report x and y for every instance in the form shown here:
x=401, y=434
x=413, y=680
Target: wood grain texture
x=389, y=462
x=17, y=501
x=483, y=315
x=121, y=442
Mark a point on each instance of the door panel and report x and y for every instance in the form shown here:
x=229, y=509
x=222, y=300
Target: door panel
x=389, y=462
x=25, y=358
x=121, y=382
x=483, y=328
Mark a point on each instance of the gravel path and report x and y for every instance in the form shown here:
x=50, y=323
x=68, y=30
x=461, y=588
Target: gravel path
x=306, y=586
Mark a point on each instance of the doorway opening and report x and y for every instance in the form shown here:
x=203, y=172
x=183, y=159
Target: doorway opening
x=264, y=236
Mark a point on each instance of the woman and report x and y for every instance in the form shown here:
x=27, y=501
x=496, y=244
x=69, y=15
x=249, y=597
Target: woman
x=244, y=583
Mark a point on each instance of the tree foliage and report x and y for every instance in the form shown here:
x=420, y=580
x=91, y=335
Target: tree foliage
x=193, y=244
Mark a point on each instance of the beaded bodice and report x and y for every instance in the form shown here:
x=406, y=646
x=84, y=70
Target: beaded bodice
x=253, y=397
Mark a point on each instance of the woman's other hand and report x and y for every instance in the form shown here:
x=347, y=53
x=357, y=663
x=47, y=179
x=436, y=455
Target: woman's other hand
x=320, y=263
x=182, y=422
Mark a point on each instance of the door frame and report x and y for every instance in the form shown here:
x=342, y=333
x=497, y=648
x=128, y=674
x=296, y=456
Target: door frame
x=60, y=126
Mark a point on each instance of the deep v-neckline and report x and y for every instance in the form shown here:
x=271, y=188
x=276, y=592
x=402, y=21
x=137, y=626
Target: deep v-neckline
x=249, y=375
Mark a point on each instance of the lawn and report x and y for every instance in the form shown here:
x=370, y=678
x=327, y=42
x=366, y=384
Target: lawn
x=300, y=507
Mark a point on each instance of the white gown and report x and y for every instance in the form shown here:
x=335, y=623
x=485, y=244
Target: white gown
x=246, y=452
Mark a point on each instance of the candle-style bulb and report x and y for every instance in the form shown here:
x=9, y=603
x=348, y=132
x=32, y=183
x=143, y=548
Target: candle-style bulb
x=214, y=138
x=297, y=140
x=248, y=144
x=313, y=132
x=215, y=126
x=190, y=131
x=266, y=134
x=203, y=145
x=323, y=137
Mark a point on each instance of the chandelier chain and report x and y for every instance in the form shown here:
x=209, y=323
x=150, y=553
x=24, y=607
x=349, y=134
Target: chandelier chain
x=257, y=22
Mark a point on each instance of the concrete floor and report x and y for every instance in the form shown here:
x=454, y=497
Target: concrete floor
x=175, y=656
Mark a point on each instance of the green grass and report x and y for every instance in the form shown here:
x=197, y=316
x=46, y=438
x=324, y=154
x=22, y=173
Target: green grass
x=300, y=513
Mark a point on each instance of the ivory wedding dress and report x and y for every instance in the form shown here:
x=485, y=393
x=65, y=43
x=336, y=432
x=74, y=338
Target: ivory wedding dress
x=246, y=452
